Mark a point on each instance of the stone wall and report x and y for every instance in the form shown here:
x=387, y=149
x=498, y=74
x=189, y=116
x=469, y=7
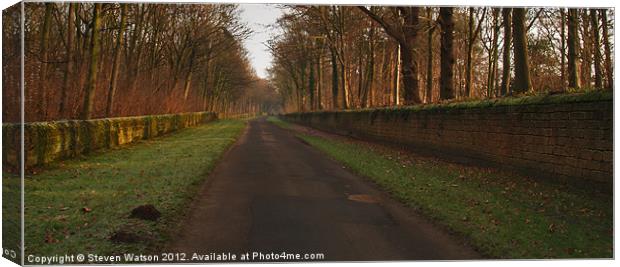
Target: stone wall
x=46, y=142
x=566, y=137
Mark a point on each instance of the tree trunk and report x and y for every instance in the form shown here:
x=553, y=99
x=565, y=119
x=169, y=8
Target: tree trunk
x=207, y=77
x=563, y=48
x=573, y=40
x=409, y=67
x=45, y=33
x=384, y=72
x=397, y=72
x=405, y=33
x=334, y=64
x=470, y=49
x=507, y=17
x=344, y=84
x=598, y=76
x=492, y=71
x=188, y=77
x=522, y=68
x=69, y=58
x=370, y=70
x=91, y=86
x=319, y=74
x=361, y=72
x=311, y=85
x=429, y=60
x=135, y=55
x=473, y=31
x=370, y=90
x=117, y=62
x=586, y=52
x=608, y=65
x=81, y=52
x=446, y=83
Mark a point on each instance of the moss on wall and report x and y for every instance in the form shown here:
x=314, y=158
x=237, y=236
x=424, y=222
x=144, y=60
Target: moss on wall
x=10, y=147
x=46, y=142
x=403, y=112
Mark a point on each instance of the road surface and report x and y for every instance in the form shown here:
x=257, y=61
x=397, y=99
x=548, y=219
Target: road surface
x=273, y=193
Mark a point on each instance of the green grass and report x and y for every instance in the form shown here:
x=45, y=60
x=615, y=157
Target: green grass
x=279, y=122
x=502, y=215
x=165, y=172
x=11, y=215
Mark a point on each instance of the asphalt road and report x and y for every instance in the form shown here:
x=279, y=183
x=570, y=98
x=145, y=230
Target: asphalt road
x=274, y=193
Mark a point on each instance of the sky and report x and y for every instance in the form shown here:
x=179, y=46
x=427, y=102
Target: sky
x=257, y=17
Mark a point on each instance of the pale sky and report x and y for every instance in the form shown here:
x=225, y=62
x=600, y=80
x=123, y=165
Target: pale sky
x=258, y=16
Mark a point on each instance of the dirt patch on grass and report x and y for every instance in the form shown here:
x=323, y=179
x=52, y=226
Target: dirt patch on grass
x=145, y=212
x=125, y=236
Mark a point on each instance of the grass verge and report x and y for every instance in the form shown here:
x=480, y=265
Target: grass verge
x=75, y=206
x=503, y=215
x=11, y=216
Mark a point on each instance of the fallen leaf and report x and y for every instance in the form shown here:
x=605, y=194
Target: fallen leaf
x=49, y=238
x=86, y=209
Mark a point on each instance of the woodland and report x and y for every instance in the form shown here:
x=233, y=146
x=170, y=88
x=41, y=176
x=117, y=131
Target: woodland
x=95, y=60
x=85, y=60
x=347, y=57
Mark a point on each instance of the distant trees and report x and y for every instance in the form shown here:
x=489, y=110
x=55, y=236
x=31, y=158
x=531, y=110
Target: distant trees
x=86, y=60
x=483, y=53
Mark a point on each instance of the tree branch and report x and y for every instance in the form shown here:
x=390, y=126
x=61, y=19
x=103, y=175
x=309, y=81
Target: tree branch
x=534, y=19
x=391, y=31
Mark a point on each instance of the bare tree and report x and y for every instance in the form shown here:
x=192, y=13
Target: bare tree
x=117, y=61
x=89, y=95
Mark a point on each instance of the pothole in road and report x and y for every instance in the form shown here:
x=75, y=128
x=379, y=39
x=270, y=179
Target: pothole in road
x=363, y=198
x=268, y=138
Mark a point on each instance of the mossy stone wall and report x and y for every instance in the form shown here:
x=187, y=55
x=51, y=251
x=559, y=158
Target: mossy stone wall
x=46, y=142
x=564, y=137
